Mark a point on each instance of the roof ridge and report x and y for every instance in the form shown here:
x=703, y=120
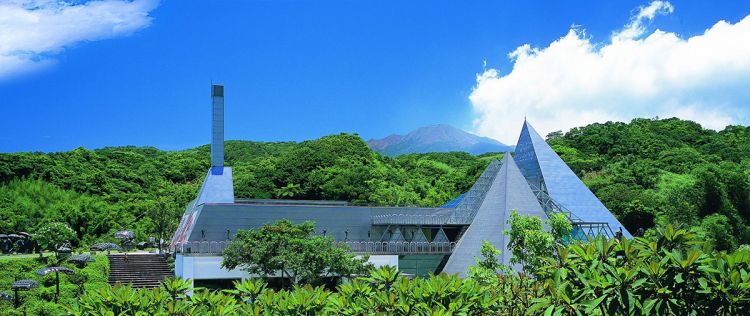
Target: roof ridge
x=508, y=158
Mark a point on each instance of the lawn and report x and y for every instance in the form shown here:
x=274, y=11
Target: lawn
x=25, y=255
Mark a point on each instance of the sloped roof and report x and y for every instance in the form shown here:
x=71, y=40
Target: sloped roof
x=217, y=187
x=543, y=167
x=508, y=191
x=213, y=220
x=471, y=200
x=454, y=203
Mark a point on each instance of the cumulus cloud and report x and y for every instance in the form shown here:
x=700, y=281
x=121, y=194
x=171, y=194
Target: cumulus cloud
x=32, y=31
x=574, y=81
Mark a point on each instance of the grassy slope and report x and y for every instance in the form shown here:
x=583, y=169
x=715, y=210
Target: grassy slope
x=39, y=301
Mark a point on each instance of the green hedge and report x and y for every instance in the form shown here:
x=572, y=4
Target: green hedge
x=667, y=274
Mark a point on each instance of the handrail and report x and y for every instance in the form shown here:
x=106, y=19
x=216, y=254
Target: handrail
x=214, y=248
x=592, y=229
x=400, y=247
x=201, y=248
x=551, y=206
x=409, y=219
x=584, y=230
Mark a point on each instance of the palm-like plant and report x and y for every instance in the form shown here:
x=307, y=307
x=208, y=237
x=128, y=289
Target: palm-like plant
x=248, y=289
x=384, y=277
x=176, y=287
x=666, y=274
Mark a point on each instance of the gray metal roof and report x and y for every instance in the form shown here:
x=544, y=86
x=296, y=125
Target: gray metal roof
x=294, y=202
x=216, y=218
x=509, y=191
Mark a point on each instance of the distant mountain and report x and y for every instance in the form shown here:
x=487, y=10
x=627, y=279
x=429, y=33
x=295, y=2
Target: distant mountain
x=436, y=138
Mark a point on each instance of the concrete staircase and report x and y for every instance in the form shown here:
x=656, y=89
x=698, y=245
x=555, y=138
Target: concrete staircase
x=141, y=270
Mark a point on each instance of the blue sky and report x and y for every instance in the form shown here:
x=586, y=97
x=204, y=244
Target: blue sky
x=297, y=70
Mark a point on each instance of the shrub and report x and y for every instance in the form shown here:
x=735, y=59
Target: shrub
x=667, y=274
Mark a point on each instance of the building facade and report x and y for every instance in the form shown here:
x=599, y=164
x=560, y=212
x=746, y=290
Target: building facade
x=532, y=181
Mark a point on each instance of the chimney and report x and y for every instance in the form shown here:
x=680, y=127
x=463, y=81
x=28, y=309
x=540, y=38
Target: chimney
x=217, y=125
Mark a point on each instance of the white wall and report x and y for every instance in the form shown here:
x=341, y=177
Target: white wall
x=384, y=260
x=202, y=268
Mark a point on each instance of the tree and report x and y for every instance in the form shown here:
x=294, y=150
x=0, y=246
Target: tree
x=560, y=226
x=678, y=199
x=161, y=214
x=553, y=135
x=487, y=268
x=293, y=250
x=53, y=235
x=288, y=191
x=713, y=197
x=718, y=232
x=529, y=243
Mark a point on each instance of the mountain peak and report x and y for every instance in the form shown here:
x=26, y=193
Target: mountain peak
x=436, y=138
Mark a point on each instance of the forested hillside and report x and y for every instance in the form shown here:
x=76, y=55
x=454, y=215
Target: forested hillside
x=100, y=191
x=646, y=172
x=667, y=171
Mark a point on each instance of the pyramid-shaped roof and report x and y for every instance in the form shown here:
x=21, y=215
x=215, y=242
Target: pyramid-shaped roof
x=471, y=200
x=544, y=169
x=508, y=191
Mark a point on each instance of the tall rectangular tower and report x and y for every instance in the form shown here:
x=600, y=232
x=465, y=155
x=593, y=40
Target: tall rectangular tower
x=217, y=125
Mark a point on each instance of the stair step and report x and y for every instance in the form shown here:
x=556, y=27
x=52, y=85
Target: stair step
x=140, y=270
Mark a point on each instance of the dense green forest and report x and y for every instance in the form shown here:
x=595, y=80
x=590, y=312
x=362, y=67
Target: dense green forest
x=100, y=191
x=654, y=171
x=647, y=171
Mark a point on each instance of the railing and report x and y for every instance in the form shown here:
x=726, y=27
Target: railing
x=409, y=219
x=551, y=206
x=581, y=229
x=214, y=248
x=201, y=248
x=400, y=247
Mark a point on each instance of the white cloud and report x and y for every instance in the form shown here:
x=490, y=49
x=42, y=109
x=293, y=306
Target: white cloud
x=31, y=31
x=636, y=26
x=574, y=81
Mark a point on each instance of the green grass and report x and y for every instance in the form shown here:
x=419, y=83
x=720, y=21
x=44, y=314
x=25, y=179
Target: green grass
x=39, y=301
x=25, y=255
x=4, y=257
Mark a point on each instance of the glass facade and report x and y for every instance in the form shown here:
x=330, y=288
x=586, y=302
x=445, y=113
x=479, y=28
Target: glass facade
x=541, y=165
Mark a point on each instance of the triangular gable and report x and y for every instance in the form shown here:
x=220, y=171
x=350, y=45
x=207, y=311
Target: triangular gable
x=541, y=165
x=419, y=236
x=508, y=191
x=440, y=236
x=396, y=235
x=410, y=233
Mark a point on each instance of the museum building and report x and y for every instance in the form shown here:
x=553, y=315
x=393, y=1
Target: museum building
x=533, y=180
